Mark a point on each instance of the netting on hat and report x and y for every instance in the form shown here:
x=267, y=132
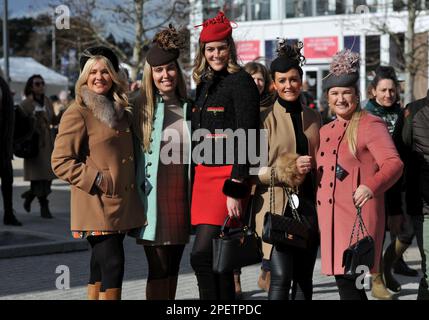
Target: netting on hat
x=344, y=62
x=170, y=38
x=290, y=51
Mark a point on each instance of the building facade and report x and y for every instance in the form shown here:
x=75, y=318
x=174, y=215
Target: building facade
x=374, y=28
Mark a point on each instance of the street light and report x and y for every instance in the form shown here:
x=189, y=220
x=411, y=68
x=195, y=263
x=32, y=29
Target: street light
x=5, y=41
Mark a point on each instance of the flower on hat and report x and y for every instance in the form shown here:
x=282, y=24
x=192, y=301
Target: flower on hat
x=215, y=29
x=344, y=62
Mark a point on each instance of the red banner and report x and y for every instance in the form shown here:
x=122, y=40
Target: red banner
x=248, y=50
x=324, y=47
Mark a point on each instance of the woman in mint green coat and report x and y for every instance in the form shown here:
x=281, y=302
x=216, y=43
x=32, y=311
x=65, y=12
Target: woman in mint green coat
x=160, y=113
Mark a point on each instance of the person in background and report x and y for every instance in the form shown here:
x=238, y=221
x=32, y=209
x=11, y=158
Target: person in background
x=226, y=98
x=7, y=121
x=38, y=170
x=94, y=153
x=357, y=163
x=160, y=111
x=262, y=78
x=415, y=136
x=384, y=103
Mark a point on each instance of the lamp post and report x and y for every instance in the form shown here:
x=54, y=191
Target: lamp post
x=5, y=41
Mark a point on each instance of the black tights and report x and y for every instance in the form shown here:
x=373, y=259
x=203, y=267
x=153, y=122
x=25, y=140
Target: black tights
x=348, y=290
x=6, y=174
x=212, y=286
x=164, y=261
x=290, y=264
x=107, y=260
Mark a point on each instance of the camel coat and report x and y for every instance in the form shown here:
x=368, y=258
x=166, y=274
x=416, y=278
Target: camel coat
x=377, y=165
x=89, y=142
x=281, y=139
x=39, y=167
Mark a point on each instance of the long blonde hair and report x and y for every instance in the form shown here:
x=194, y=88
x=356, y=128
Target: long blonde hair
x=201, y=66
x=146, y=106
x=118, y=92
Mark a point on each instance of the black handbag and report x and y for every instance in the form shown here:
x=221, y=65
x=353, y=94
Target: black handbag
x=362, y=252
x=283, y=230
x=236, y=247
x=26, y=139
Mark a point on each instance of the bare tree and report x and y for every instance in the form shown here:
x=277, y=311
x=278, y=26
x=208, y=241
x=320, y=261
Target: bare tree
x=413, y=58
x=134, y=20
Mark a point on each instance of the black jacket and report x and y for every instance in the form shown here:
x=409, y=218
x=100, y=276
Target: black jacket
x=420, y=131
x=227, y=101
x=7, y=121
x=404, y=137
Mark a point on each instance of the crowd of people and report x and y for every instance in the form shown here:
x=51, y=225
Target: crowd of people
x=136, y=169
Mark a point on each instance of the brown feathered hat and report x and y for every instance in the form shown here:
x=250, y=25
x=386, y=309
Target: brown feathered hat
x=166, y=47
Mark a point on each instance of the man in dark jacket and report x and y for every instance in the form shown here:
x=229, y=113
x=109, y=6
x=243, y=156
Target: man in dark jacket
x=6, y=146
x=420, y=146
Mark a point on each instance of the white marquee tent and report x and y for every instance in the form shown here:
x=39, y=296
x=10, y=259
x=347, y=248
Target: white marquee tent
x=22, y=68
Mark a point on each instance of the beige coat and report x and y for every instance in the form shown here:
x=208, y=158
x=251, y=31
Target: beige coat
x=39, y=168
x=281, y=139
x=92, y=138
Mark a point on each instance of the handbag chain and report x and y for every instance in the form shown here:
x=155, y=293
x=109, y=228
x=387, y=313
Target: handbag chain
x=295, y=213
x=362, y=228
x=272, y=196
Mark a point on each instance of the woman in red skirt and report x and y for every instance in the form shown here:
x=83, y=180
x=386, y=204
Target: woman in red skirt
x=227, y=100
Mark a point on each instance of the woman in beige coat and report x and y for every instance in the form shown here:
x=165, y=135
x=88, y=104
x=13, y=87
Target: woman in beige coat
x=38, y=170
x=94, y=153
x=293, y=139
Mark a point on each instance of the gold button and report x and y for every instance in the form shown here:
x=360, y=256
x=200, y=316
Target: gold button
x=131, y=158
x=117, y=132
x=124, y=160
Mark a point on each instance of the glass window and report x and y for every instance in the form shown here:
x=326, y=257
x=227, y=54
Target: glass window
x=299, y=8
x=238, y=10
x=352, y=43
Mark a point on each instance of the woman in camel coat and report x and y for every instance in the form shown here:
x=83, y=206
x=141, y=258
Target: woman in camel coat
x=94, y=152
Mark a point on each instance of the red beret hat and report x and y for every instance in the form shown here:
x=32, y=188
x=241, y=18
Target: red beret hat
x=216, y=29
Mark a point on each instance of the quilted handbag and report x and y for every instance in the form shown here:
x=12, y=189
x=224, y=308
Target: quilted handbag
x=362, y=252
x=284, y=230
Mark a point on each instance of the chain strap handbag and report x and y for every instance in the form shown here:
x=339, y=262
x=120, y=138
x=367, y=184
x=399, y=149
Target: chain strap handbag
x=284, y=230
x=237, y=247
x=362, y=252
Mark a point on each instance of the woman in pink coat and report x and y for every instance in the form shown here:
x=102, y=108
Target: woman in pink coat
x=357, y=162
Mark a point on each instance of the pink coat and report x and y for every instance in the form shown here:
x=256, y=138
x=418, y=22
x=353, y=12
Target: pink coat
x=377, y=165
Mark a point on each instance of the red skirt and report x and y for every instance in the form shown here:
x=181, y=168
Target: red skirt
x=208, y=201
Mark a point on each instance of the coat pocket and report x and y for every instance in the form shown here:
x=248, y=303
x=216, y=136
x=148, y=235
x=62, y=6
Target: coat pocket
x=107, y=184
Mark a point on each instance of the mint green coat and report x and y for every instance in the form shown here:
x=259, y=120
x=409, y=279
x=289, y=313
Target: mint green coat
x=147, y=169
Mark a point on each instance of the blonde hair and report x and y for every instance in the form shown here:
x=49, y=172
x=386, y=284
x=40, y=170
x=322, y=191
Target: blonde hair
x=118, y=92
x=201, y=66
x=144, y=115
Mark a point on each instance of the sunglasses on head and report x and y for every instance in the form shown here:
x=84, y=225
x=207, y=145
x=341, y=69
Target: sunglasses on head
x=38, y=83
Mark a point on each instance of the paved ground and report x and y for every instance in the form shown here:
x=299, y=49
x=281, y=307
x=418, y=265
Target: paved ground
x=35, y=277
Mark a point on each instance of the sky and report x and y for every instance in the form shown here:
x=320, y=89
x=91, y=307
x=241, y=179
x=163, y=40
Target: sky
x=19, y=8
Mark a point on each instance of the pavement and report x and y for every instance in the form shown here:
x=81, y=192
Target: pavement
x=41, y=261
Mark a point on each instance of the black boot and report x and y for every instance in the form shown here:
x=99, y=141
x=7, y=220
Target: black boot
x=44, y=208
x=391, y=255
x=10, y=219
x=29, y=197
x=401, y=267
x=423, y=293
